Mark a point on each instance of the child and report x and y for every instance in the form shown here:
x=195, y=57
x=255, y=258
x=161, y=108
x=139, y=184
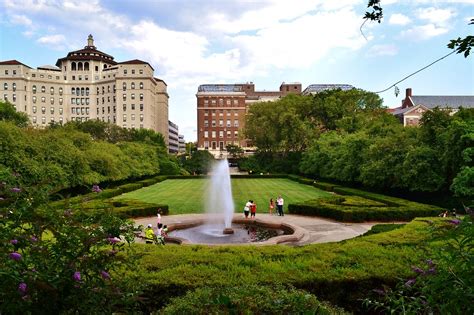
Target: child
x=158, y=221
x=149, y=235
x=271, y=207
x=247, y=209
x=164, y=231
x=253, y=209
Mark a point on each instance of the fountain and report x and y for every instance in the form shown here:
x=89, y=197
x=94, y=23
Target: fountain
x=220, y=194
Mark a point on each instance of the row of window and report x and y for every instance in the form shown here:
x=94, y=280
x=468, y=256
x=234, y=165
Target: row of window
x=79, y=91
x=80, y=110
x=132, y=117
x=221, y=102
x=221, y=144
x=6, y=72
x=80, y=101
x=133, y=71
x=43, y=120
x=221, y=113
x=33, y=75
x=51, y=100
x=132, y=96
x=5, y=86
x=221, y=123
x=221, y=134
x=108, y=110
x=132, y=86
x=43, y=110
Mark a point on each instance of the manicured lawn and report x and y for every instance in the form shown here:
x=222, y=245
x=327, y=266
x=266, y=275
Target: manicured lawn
x=188, y=195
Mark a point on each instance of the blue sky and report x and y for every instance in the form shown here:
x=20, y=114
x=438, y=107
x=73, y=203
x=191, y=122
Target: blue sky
x=268, y=42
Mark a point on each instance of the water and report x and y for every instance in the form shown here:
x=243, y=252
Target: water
x=212, y=234
x=219, y=201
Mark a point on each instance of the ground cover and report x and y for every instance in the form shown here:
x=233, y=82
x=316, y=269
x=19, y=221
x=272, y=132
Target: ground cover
x=341, y=273
x=188, y=195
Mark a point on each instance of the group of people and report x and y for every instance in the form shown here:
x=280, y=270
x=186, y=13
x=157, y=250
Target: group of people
x=251, y=207
x=161, y=232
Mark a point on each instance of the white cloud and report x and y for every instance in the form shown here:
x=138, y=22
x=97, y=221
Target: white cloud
x=20, y=19
x=382, y=50
x=424, y=32
x=399, y=19
x=51, y=39
x=436, y=16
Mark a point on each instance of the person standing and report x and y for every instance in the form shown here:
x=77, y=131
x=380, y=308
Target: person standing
x=247, y=209
x=280, y=203
x=271, y=206
x=253, y=209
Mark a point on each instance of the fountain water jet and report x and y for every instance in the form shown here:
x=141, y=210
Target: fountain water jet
x=220, y=194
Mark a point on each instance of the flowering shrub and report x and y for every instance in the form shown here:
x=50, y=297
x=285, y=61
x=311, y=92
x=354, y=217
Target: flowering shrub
x=56, y=260
x=443, y=285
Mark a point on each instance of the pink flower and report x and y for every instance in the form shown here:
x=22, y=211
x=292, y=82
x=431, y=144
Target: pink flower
x=105, y=275
x=113, y=240
x=33, y=239
x=76, y=276
x=96, y=189
x=15, y=190
x=15, y=256
x=455, y=221
x=22, y=287
x=14, y=242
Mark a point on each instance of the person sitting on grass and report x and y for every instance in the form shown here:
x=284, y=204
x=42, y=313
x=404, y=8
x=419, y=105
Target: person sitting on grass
x=149, y=235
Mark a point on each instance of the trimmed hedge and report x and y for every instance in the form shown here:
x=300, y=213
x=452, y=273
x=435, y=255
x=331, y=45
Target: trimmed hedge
x=356, y=205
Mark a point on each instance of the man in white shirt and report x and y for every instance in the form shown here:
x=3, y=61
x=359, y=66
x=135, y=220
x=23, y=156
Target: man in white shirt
x=280, y=202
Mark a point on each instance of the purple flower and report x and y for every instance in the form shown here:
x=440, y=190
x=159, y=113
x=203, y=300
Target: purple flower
x=430, y=262
x=455, y=221
x=67, y=213
x=113, y=240
x=105, y=275
x=14, y=242
x=96, y=189
x=22, y=287
x=418, y=270
x=15, y=190
x=15, y=256
x=1, y=198
x=33, y=239
x=76, y=276
x=431, y=271
x=410, y=282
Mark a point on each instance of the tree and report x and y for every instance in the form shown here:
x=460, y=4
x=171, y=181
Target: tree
x=199, y=162
x=9, y=113
x=234, y=150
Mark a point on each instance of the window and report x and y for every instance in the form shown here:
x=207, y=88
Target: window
x=87, y=110
x=236, y=114
x=228, y=102
x=124, y=117
x=43, y=89
x=141, y=85
x=236, y=123
x=97, y=90
x=124, y=71
x=132, y=96
x=43, y=99
x=6, y=72
x=213, y=102
x=78, y=101
x=60, y=111
x=73, y=101
x=103, y=90
x=206, y=134
x=141, y=117
x=60, y=101
x=133, y=71
x=141, y=107
x=34, y=119
x=141, y=97
x=221, y=134
x=96, y=68
x=206, y=145
x=221, y=123
x=51, y=110
x=34, y=109
x=43, y=120
x=228, y=123
x=206, y=123
x=221, y=101
x=133, y=106
x=236, y=102
x=206, y=102
x=34, y=99
x=14, y=97
x=14, y=86
x=114, y=109
x=229, y=134
x=87, y=91
x=132, y=85
x=228, y=112
x=124, y=97
x=51, y=100
x=87, y=101
x=60, y=91
x=82, y=111
x=236, y=134
x=132, y=117
x=82, y=101
x=213, y=113
x=124, y=107
x=78, y=92
x=51, y=90
x=34, y=89
x=206, y=113
x=73, y=77
x=61, y=120
x=124, y=86
x=43, y=110
x=221, y=113
x=82, y=91
x=213, y=123
x=213, y=134
x=5, y=86
x=141, y=72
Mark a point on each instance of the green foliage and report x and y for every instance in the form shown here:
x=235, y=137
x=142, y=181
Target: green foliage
x=248, y=299
x=9, y=113
x=382, y=228
x=199, y=162
x=234, y=150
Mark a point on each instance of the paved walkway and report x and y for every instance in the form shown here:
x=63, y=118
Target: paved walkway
x=319, y=230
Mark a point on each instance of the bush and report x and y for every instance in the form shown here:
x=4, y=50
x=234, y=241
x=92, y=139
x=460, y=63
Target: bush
x=130, y=187
x=248, y=299
x=381, y=228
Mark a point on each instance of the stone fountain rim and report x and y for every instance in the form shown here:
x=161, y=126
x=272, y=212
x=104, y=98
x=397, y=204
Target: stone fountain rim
x=298, y=233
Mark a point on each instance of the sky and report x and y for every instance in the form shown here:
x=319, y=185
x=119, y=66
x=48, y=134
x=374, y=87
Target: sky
x=193, y=42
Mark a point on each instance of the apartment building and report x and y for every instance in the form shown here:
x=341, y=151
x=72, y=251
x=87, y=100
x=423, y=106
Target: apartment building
x=88, y=84
x=173, y=137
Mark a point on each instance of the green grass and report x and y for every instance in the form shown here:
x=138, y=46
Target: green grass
x=188, y=195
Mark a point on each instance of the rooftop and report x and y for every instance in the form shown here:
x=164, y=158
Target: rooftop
x=432, y=101
x=316, y=88
x=219, y=88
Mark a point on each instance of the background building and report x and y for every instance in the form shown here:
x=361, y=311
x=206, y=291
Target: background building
x=182, y=144
x=221, y=110
x=316, y=88
x=173, y=137
x=88, y=84
x=414, y=106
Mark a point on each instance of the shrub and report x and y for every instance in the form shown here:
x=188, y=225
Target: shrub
x=130, y=187
x=381, y=228
x=248, y=299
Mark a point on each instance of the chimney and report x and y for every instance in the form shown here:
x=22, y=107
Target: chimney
x=408, y=92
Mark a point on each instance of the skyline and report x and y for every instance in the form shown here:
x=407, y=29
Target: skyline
x=266, y=42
